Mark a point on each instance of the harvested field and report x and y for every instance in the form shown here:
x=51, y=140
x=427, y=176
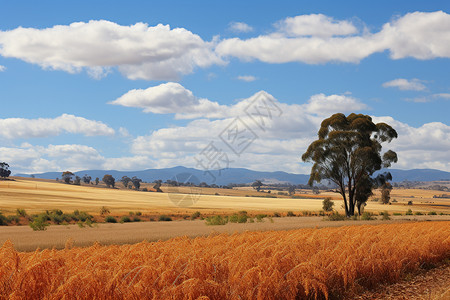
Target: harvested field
x=297, y=264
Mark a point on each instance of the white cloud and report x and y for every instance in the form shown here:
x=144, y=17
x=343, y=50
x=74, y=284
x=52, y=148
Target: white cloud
x=13, y=128
x=323, y=105
x=304, y=39
x=246, y=78
x=139, y=51
x=2, y=68
x=315, y=25
x=406, y=85
x=442, y=95
x=240, y=27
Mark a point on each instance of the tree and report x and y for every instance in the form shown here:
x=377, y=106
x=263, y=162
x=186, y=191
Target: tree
x=67, y=176
x=291, y=190
x=97, y=180
x=77, y=180
x=157, y=185
x=125, y=181
x=257, y=185
x=4, y=170
x=109, y=180
x=382, y=181
x=87, y=179
x=327, y=204
x=348, y=152
x=136, y=182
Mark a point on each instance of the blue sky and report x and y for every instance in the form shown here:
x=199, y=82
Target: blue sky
x=151, y=84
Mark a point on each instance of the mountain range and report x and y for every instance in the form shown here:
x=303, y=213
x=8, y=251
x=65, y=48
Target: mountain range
x=236, y=175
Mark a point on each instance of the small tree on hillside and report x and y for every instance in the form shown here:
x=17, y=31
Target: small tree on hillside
x=327, y=204
x=157, y=185
x=77, y=180
x=4, y=170
x=257, y=185
x=136, y=182
x=67, y=176
x=109, y=180
x=125, y=181
x=97, y=180
x=291, y=190
x=87, y=179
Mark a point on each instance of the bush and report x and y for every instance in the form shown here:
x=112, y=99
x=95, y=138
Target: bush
x=145, y=190
x=397, y=214
x=418, y=213
x=39, y=223
x=138, y=213
x=335, y=216
x=216, y=220
x=410, y=202
x=164, y=218
x=3, y=220
x=21, y=212
x=136, y=219
x=290, y=214
x=104, y=211
x=125, y=219
x=385, y=216
x=409, y=212
x=195, y=215
x=260, y=217
x=110, y=219
x=276, y=215
x=13, y=218
x=432, y=213
x=367, y=216
x=327, y=204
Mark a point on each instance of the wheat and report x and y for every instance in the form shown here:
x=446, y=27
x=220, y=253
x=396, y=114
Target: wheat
x=296, y=264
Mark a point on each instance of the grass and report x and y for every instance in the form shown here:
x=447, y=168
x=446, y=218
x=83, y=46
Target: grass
x=313, y=264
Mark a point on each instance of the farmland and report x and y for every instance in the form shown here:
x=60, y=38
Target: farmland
x=38, y=195
x=327, y=263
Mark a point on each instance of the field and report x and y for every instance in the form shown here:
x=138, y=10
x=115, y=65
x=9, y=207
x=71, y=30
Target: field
x=327, y=263
x=38, y=195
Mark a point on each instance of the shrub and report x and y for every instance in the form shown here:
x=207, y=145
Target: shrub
x=145, y=190
x=409, y=212
x=195, y=215
x=367, y=216
x=104, y=211
x=233, y=218
x=13, y=218
x=136, y=219
x=242, y=219
x=432, y=213
x=164, y=218
x=21, y=212
x=260, y=217
x=131, y=213
x=125, y=219
x=335, y=216
x=327, y=204
x=276, y=215
x=216, y=220
x=290, y=214
x=138, y=213
x=3, y=220
x=385, y=216
x=110, y=219
x=39, y=223
x=397, y=214
x=216, y=194
x=410, y=202
x=418, y=213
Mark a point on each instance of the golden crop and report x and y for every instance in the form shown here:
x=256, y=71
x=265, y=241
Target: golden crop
x=295, y=264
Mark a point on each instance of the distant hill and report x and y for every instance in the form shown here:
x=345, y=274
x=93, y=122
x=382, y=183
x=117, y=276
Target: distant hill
x=237, y=175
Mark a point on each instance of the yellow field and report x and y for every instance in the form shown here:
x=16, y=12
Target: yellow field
x=327, y=263
x=38, y=195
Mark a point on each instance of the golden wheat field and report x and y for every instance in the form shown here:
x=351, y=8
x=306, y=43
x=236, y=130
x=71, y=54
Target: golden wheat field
x=37, y=196
x=327, y=263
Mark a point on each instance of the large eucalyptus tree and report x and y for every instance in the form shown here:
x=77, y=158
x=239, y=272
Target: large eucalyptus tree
x=348, y=152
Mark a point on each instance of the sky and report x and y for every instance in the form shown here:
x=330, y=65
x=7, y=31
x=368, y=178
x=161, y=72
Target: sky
x=133, y=85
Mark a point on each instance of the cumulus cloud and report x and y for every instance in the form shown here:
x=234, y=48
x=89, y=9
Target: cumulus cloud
x=315, y=25
x=323, y=105
x=240, y=27
x=14, y=128
x=442, y=95
x=246, y=78
x=139, y=51
x=2, y=68
x=406, y=85
x=317, y=39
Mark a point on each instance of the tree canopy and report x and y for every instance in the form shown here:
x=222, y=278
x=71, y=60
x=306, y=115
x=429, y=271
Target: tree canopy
x=67, y=176
x=348, y=152
x=4, y=170
x=109, y=180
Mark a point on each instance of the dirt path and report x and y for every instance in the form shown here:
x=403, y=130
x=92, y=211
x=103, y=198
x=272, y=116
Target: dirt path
x=25, y=239
x=433, y=284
